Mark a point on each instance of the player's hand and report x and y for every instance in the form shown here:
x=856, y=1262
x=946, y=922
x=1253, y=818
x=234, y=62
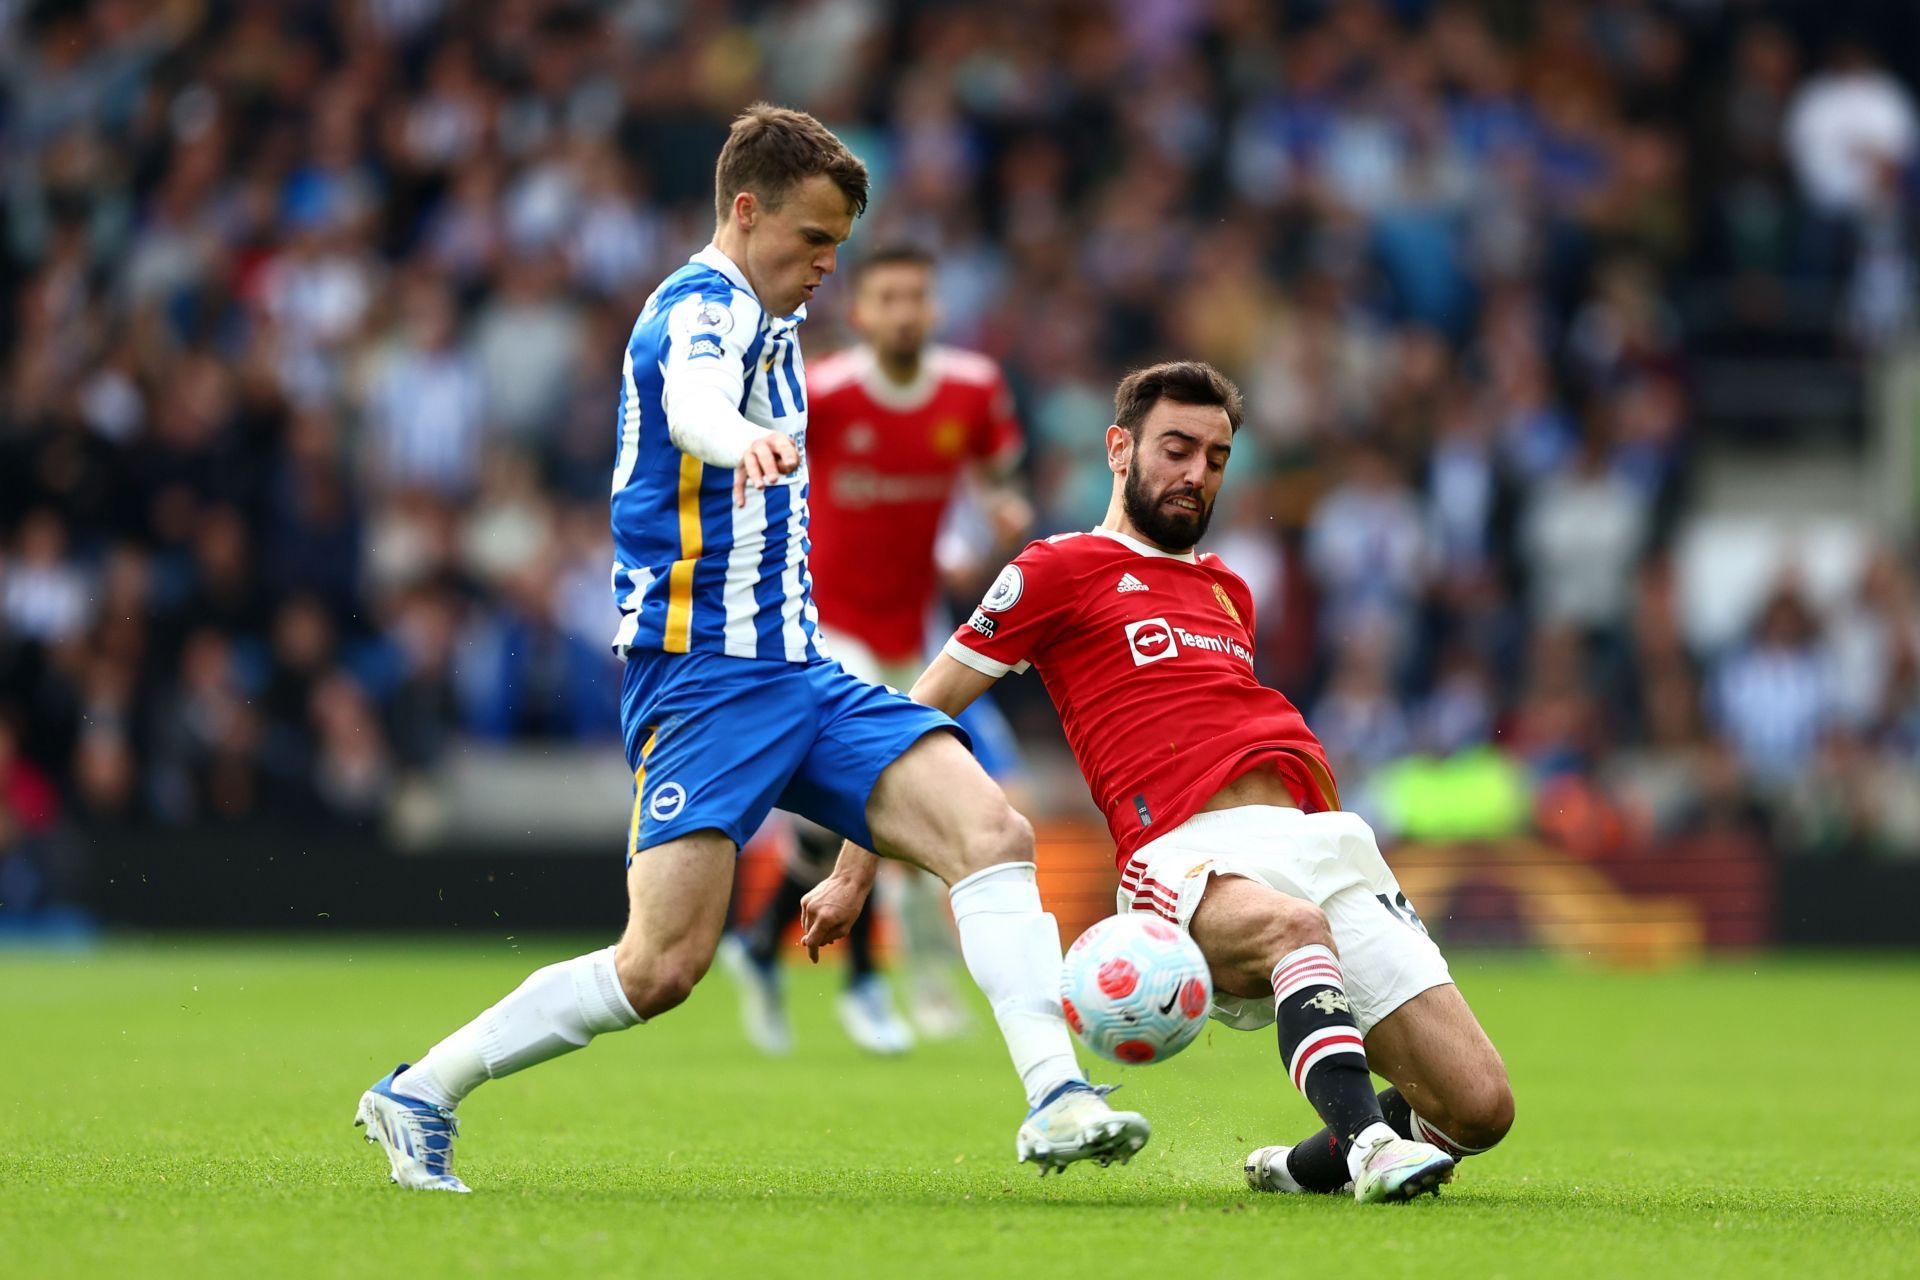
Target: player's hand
x=828, y=911
x=1010, y=516
x=766, y=460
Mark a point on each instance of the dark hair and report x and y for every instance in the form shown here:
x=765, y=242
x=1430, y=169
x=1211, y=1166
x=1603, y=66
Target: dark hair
x=770, y=150
x=898, y=253
x=1181, y=381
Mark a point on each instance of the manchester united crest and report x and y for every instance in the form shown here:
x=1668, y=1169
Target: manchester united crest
x=950, y=437
x=1226, y=602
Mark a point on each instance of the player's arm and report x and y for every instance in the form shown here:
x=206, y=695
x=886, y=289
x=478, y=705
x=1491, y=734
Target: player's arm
x=997, y=469
x=1009, y=514
x=995, y=447
x=704, y=381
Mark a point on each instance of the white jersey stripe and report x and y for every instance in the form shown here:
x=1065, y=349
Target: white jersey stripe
x=792, y=632
x=743, y=575
x=629, y=423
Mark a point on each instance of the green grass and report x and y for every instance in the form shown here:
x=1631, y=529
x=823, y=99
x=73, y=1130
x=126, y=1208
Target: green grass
x=182, y=1108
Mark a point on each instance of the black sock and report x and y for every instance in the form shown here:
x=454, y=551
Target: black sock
x=1321, y=1043
x=860, y=945
x=1317, y=1164
x=763, y=936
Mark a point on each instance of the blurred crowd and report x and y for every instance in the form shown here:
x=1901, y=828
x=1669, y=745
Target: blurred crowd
x=313, y=313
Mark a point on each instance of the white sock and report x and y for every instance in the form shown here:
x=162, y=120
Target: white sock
x=555, y=1011
x=1364, y=1142
x=1282, y=1176
x=1012, y=949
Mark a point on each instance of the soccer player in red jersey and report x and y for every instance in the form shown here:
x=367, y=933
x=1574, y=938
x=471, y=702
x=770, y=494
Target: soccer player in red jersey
x=897, y=425
x=1223, y=809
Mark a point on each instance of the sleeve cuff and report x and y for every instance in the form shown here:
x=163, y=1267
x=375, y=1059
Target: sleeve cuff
x=979, y=661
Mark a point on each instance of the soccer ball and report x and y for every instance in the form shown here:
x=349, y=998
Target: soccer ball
x=1135, y=989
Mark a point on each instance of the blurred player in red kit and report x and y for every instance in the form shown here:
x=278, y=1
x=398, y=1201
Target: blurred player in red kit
x=901, y=432
x=1223, y=810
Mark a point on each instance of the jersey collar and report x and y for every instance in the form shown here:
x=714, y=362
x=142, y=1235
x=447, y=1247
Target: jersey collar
x=1142, y=547
x=711, y=256
x=900, y=397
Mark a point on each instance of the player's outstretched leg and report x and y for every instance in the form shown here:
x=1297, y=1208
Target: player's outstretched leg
x=935, y=807
x=750, y=957
x=866, y=1007
x=677, y=895
x=1244, y=927
x=1436, y=1051
x=929, y=959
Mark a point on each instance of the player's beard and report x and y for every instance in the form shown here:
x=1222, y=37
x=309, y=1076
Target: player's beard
x=1172, y=530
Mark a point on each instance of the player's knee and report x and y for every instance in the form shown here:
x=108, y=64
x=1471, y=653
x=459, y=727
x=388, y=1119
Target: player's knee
x=1290, y=924
x=1489, y=1113
x=1480, y=1115
x=1004, y=836
x=656, y=981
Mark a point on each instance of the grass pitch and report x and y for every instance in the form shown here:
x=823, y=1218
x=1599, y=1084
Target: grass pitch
x=183, y=1108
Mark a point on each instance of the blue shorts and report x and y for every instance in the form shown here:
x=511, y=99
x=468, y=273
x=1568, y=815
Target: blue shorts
x=716, y=742
x=994, y=745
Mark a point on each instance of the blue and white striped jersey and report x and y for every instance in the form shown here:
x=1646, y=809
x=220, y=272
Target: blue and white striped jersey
x=691, y=571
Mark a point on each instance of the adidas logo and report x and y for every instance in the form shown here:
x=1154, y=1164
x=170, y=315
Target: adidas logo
x=1130, y=583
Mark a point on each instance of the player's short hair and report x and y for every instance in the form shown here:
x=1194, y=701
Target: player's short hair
x=893, y=254
x=771, y=150
x=1181, y=381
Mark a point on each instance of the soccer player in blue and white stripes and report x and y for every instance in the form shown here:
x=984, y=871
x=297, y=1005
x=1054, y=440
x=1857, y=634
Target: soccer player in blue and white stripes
x=730, y=704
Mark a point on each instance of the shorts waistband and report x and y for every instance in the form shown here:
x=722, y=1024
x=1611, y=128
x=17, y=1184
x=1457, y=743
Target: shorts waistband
x=1213, y=817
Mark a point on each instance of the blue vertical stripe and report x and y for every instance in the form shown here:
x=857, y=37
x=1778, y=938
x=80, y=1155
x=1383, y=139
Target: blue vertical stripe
x=750, y=365
x=793, y=379
x=772, y=361
x=769, y=593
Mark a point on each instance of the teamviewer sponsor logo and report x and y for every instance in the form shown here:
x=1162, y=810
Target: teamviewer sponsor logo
x=1150, y=640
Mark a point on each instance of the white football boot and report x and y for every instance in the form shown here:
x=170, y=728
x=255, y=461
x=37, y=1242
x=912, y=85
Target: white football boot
x=763, y=1008
x=1266, y=1170
x=867, y=1012
x=416, y=1135
x=936, y=1008
x=1073, y=1123
x=1400, y=1169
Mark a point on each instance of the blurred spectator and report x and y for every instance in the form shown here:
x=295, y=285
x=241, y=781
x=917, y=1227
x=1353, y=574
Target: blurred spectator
x=313, y=320
x=1774, y=697
x=1359, y=718
x=44, y=596
x=1584, y=530
x=1871, y=640
x=1845, y=125
x=1660, y=782
x=426, y=411
x=1368, y=549
x=1557, y=726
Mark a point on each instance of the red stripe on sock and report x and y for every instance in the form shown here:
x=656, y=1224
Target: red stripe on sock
x=1345, y=1043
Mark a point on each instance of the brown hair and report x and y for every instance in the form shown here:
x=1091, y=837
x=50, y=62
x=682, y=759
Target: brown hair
x=772, y=149
x=1181, y=381
x=895, y=254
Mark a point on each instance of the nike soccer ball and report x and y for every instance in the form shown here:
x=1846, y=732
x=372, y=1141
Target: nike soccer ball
x=1135, y=989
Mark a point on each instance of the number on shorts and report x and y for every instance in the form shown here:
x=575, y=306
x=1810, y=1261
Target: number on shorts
x=1402, y=910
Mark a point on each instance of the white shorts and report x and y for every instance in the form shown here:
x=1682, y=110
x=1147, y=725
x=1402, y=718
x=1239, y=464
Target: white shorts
x=1328, y=859
x=853, y=653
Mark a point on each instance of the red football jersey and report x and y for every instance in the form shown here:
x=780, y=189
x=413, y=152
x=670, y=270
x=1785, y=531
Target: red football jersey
x=1149, y=658
x=884, y=461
